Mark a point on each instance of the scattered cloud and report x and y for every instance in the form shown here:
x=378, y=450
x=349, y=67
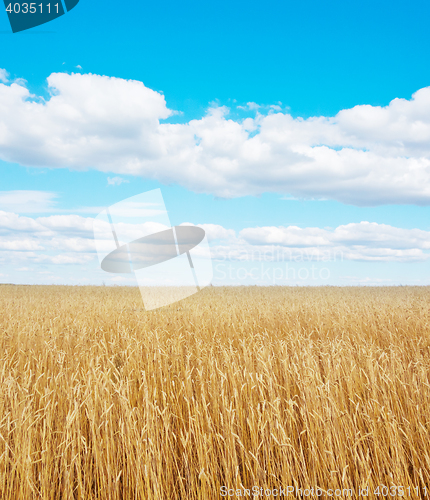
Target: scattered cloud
x=20, y=245
x=276, y=107
x=250, y=106
x=13, y=223
x=116, y=181
x=369, y=234
x=69, y=259
x=68, y=239
x=4, y=76
x=366, y=155
x=215, y=232
x=71, y=225
x=20, y=202
x=365, y=241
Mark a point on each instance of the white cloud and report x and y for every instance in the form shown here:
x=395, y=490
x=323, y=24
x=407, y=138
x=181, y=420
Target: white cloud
x=366, y=155
x=70, y=224
x=15, y=223
x=356, y=241
x=69, y=259
x=291, y=236
x=27, y=201
x=4, y=76
x=250, y=106
x=89, y=120
x=68, y=239
x=365, y=233
x=72, y=244
x=116, y=181
x=20, y=245
x=216, y=232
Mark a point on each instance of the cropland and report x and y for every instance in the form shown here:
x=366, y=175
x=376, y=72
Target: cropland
x=230, y=389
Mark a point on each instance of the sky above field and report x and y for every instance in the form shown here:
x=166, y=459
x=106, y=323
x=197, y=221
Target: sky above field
x=297, y=134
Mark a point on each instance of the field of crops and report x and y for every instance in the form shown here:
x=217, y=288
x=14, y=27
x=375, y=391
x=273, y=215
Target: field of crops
x=236, y=387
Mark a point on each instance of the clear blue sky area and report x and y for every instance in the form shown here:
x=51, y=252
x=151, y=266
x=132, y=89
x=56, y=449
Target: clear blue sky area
x=316, y=57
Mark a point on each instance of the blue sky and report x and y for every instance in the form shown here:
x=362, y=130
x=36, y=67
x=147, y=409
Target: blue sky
x=268, y=124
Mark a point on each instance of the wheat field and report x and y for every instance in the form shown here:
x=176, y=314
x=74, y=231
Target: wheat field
x=234, y=387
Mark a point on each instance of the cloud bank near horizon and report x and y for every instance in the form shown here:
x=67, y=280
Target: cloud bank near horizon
x=62, y=239
x=366, y=155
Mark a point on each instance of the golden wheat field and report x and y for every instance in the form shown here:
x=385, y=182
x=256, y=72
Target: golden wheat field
x=235, y=387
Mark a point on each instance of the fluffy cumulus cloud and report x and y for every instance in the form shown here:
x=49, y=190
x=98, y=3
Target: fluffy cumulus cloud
x=89, y=121
x=366, y=155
